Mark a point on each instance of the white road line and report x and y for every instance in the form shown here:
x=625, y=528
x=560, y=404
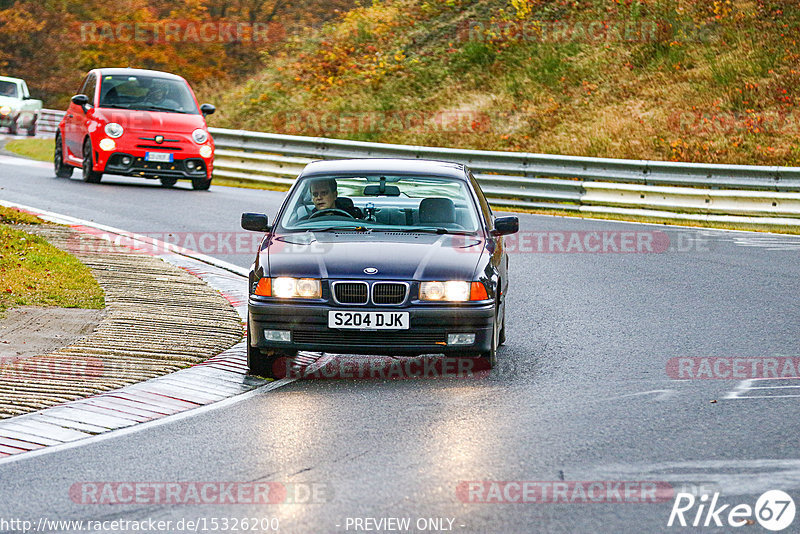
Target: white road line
x=663, y=394
x=24, y=162
x=745, y=386
x=753, y=476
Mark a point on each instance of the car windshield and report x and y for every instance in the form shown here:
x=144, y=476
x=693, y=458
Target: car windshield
x=9, y=89
x=381, y=203
x=146, y=93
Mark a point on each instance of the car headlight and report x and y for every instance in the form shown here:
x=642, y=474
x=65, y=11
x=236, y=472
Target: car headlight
x=284, y=287
x=107, y=144
x=452, y=291
x=5, y=110
x=200, y=136
x=206, y=151
x=114, y=130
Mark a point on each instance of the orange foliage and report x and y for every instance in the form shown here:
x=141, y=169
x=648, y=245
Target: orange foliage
x=51, y=44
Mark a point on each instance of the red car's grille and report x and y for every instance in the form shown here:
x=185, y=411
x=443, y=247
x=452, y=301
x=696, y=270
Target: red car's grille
x=161, y=147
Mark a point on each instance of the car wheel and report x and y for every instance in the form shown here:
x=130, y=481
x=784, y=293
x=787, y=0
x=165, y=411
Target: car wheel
x=200, y=184
x=61, y=169
x=502, y=336
x=12, y=128
x=32, y=128
x=89, y=174
x=265, y=363
x=168, y=182
x=491, y=356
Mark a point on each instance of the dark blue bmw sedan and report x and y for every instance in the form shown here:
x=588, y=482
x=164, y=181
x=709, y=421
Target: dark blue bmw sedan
x=379, y=256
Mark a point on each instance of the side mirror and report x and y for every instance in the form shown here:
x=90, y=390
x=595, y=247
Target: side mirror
x=506, y=225
x=26, y=97
x=207, y=109
x=82, y=101
x=255, y=222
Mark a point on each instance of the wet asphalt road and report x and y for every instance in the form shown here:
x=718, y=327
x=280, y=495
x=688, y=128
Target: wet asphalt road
x=582, y=391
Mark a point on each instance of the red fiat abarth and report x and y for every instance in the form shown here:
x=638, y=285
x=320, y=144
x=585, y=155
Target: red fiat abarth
x=135, y=122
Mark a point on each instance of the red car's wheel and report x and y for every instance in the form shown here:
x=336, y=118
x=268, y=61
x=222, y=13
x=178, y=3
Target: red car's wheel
x=89, y=174
x=200, y=184
x=61, y=169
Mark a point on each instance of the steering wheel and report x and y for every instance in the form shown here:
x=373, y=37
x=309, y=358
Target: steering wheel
x=330, y=210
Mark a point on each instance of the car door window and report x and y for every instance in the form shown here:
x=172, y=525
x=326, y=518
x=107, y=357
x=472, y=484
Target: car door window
x=487, y=211
x=89, y=87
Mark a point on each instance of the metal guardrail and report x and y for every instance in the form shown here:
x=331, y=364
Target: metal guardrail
x=693, y=191
x=676, y=190
x=48, y=120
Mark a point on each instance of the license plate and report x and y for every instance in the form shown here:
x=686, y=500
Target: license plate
x=165, y=157
x=368, y=320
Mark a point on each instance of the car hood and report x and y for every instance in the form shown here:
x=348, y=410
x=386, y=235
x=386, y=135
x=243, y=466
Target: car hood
x=396, y=256
x=13, y=103
x=151, y=121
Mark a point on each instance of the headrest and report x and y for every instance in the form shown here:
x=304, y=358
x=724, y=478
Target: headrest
x=344, y=203
x=437, y=210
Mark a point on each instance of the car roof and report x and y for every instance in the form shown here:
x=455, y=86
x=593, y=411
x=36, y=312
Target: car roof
x=386, y=166
x=10, y=79
x=137, y=72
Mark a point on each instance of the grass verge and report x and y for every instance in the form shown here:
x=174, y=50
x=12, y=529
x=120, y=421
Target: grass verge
x=35, y=273
x=38, y=149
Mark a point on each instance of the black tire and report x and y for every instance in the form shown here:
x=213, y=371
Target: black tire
x=61, y=169
x=266, y=363
x=490, y=357
x=200, y=184
x=89, y=174
x=502, y=336
x=12, y=128
x=168, y=182
x=32, y=128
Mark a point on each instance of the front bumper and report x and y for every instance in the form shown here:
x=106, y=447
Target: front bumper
x=115, y=163
x=136, y=145
x=427, y=333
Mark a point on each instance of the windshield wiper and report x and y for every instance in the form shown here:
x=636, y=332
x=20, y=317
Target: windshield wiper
x=336, y=228
x=115, y=106
x=160, y=108
x=439, y=231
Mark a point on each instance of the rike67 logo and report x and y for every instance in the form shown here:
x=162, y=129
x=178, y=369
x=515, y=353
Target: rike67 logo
x=774, y=510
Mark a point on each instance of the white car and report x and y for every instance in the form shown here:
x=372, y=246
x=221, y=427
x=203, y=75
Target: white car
x=17, y=109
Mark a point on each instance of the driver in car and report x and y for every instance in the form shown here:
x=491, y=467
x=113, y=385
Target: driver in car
x=157, y=96
x=324, y=194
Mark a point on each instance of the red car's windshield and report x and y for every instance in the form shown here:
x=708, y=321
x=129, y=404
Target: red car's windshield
x=146, y=93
